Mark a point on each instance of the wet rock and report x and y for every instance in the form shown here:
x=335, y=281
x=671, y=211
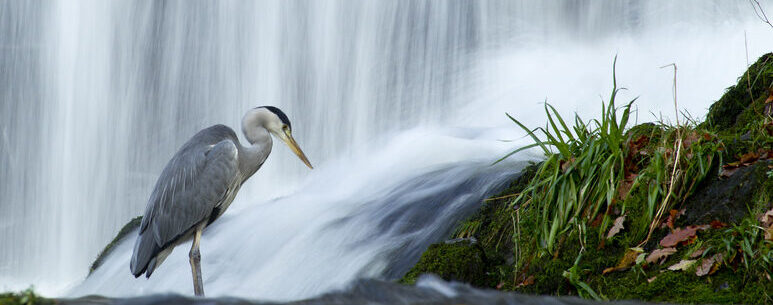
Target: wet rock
x=460, y=260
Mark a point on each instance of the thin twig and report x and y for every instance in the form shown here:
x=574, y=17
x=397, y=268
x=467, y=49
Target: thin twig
x=760, y=12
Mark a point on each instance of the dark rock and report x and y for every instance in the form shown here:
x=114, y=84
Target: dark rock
x=726, y=200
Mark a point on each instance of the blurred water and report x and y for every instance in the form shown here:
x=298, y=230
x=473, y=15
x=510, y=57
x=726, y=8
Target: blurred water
x=95, y=97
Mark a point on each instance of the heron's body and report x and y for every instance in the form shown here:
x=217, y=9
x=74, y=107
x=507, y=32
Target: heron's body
x=199, y=183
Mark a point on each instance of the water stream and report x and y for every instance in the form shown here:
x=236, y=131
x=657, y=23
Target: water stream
x=398, y=104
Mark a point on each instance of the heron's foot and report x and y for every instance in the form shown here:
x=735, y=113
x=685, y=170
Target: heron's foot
x=195, y=259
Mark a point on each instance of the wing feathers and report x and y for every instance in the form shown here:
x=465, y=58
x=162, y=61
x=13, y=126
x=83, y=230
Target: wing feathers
x=192, y=184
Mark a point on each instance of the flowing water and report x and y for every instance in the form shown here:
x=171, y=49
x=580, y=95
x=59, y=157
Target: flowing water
x=397, y=103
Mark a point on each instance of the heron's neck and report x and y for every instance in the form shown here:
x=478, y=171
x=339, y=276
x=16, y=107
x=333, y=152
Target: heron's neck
x=253, y=155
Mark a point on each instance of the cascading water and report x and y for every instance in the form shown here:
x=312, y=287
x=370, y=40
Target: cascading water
x=97, y=95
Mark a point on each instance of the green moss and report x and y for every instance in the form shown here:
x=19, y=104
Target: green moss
x=128, y=227
x=26, y=297
x=731, y=112
x=459, y=261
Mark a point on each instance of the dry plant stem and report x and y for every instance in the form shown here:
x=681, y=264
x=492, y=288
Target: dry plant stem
x=501, y=197
x=674, y=172
x=748, y=78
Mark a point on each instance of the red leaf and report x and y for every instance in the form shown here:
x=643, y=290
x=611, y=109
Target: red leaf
x=716, y=224
x=681, y=235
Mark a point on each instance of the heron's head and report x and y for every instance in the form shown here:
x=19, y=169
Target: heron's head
x=275, y=122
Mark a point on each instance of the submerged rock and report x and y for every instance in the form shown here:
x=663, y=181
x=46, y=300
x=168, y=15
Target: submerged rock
x=428, y=291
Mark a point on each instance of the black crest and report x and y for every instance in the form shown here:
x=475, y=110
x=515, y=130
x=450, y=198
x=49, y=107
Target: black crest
x=282, y=116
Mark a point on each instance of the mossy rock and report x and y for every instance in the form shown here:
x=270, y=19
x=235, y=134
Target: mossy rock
x=732, y=111
x=458, y=260
x=127, y=228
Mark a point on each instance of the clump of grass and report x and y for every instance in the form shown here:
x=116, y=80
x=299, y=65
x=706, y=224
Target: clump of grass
x=26, y=297
x=580, y=177
x=683, y=158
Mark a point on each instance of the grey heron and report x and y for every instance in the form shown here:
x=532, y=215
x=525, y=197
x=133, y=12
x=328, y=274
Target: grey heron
x=200, y=182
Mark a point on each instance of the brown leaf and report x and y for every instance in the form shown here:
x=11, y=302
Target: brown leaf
x=682, y=265
x=727, y=172
x=767, y=219
x=652, y=279
x=697, y=253
x=749, y=158
x=624, y=189
x=673, y=215
x=681, y=235
x=616, y=227
x=690, y=139
x=716, y=224
x=628, y=260
x=709, y=265
x=660, y=254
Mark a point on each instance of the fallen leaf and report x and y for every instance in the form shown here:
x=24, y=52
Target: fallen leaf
x=709, y=265
x=682, y=265
x=681, y=235
x=673, y=215
x=616, y=227
x=628, y=260
x=767, y=219
x=624, y=188
x=652, y=279
x=659, y=254
x=727, y=172
x=716, y=224
x=749, y=158
x=689, y=139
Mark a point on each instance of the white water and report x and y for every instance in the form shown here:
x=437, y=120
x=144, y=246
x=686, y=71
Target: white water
x=95, y=96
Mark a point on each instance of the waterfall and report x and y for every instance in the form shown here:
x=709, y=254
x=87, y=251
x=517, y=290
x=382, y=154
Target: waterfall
x=96, y=96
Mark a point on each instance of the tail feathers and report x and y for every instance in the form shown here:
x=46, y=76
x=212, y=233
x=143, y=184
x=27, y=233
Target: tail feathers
x=145, y=251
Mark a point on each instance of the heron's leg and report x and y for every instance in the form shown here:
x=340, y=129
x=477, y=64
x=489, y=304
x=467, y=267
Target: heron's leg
x=195, y=258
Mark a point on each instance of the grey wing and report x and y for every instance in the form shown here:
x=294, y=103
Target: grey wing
x=192, y=185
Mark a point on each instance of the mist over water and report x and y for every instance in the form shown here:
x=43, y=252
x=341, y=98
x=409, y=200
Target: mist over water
x=96, y=96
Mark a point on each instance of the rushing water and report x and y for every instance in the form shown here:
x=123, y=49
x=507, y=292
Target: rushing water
x=95, y=96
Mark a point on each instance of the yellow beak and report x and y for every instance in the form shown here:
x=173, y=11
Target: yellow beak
x=288, y=139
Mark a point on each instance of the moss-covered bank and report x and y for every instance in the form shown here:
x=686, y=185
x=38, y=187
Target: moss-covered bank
x=713, y=181
x=26, y=297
